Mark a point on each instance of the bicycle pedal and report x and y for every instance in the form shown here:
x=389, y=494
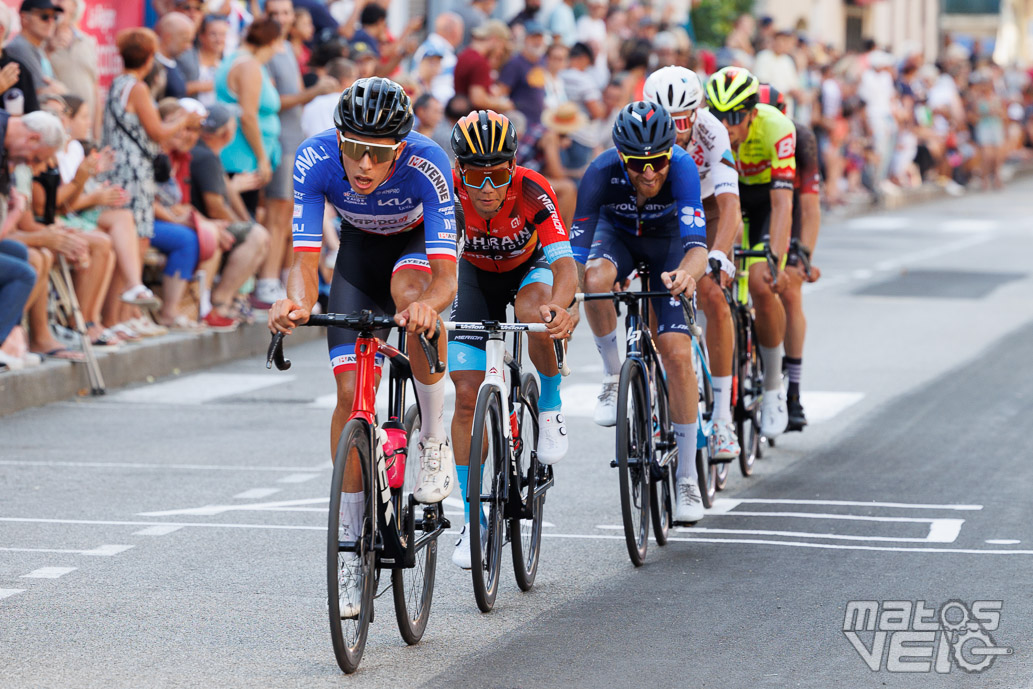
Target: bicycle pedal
x=614, y=464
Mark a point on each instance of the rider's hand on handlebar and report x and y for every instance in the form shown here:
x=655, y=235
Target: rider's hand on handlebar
x=679, y=282
x=815, y=274
x=780, y=282
x=418, y=318
x=561, y=325
x=284, y=315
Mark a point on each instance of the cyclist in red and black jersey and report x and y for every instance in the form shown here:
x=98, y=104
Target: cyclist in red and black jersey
x=806, y=224
x=516, y=250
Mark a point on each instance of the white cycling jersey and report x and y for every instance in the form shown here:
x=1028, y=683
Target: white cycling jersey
x=712, y=151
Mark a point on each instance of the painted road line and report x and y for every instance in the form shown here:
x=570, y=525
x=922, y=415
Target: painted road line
x=940, y=531
x=727, y=504
x=257, y=493
x=48, y=572
x=99, y=551
x=1003, y=541
x=141, y=465
x=199, y=388
x=7, y=593
x=210, y=510
x=298, y=478
x=163, y=530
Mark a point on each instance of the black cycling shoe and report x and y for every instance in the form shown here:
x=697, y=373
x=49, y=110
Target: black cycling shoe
x=797, y=420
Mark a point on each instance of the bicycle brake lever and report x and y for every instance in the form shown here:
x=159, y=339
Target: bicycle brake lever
x=275, y=354
x=430, y=350
x=690, y=319
x=561, y=358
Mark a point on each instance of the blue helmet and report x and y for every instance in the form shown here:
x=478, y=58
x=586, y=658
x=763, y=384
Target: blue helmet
x=643, y=128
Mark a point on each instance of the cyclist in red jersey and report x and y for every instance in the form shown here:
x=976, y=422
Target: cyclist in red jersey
x=516, y=250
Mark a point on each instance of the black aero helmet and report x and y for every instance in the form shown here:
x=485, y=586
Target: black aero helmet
x=375, y=107
x=643, y=128
x=484, y=138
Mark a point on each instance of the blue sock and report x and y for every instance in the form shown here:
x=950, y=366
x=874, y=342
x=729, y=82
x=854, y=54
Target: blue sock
x=549, y=400
x=464, y=475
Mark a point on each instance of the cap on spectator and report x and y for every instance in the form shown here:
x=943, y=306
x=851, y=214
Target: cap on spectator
x=362, y=50
x=493, y=28
x=30, y=5
x=565, y=118
x=580, y=49
x=533, y=28
x=219, y=116
x=193, y=105
x=432, y=51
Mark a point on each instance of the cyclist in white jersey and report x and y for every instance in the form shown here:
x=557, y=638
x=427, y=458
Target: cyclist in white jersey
x=679, y=90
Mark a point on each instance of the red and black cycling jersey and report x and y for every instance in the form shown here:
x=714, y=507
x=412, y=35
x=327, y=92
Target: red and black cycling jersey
x=526, y=220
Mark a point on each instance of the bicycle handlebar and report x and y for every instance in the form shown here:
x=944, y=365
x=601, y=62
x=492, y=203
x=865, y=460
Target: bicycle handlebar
x=804, y=254
x=499, y=326
x=365, y=323
x=764, y=253
x=620, y=296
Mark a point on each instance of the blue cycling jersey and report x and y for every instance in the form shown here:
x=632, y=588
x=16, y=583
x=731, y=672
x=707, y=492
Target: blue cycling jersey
x=418, y=190
x=607, y=196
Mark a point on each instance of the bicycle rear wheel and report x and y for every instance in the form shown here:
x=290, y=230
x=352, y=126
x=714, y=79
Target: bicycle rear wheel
x=488, y=452
x=634, y=440
x=413, y=588
x=526, y=534
x=747, y=407
x=349, y=635
x=661, y=486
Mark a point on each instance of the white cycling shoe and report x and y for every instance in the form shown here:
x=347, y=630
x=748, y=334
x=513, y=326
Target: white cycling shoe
x=434, y=478
x=552, y=437
x=774, y=413
x=726, y=441
x=688, y=501
x=461, y=556
x=606, y=407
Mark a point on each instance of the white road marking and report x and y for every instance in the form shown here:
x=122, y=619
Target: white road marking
x=107, y=550
x=7, y=593
x=99, y=551
x=297, y=478
x=200, y=388
x=1003, y=541
x=141, y=465
x=48, y=572
x=257, y=493
x=940, y=531
x=726, y=504
x=210, y=510
x=163, y=530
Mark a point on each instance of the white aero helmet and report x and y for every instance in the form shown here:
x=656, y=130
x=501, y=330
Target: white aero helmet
x=676, y=88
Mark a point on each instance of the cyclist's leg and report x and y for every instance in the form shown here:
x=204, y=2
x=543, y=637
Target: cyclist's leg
x=535, y=291
x=770, y=314
x=796, y=322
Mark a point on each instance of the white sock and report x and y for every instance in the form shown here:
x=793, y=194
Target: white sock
x=607, y=346
x=432, y=410
x=722, y=386
x=352, y=507
x=772, y=358
x=685, y=435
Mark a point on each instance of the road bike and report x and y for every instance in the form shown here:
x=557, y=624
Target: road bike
x=507, y=484
x=396, y=532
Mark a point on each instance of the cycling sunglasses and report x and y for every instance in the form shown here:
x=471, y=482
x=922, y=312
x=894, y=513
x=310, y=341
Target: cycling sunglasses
x=685, y=122
x=476, y=178
x=730, y=117
x=657, y=162
x=378, y=153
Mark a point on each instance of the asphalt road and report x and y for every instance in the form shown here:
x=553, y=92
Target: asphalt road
x=171, y=535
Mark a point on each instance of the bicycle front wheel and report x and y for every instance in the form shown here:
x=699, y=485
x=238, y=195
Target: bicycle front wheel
x=413, y=587
x=662, y=483
x=350, y=558
x=634, y=454
x=526, y=534
x=706, y=470
x=750, y=383
x=487, y=497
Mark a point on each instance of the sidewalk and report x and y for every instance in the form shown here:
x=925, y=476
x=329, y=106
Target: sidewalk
x=144, y=361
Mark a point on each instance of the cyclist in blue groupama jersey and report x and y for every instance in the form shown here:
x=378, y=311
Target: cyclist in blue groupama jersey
x=393, y=190
x=639, y=202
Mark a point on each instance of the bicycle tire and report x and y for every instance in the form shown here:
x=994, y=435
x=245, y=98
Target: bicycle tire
x=750, y=381
x=484, y=488
x=525, y=535
x=721, y=475
x=349, y=636
x=705, y=469
x=661, y=485
x=413, y=588
x=634, y=438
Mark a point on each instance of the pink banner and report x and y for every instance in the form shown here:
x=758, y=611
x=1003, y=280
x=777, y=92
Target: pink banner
x=103, y=20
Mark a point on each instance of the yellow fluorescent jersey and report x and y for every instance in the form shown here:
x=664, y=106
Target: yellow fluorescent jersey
x=768, y=155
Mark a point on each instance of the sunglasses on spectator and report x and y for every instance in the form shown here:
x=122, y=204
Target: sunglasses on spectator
x=731, y=117
x=639, y=164
x=378, y=153
x=47, y=16
x=476, y=178
x=685, y=122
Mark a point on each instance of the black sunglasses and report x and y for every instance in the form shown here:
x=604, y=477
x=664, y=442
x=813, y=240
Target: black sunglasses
x=731, y=117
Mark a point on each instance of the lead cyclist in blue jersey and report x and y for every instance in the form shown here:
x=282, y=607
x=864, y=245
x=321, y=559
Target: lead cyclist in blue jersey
x=640, y=202
x=393, y=190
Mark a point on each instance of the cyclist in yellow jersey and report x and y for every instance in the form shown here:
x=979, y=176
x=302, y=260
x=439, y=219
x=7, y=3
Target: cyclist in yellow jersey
x=763, y=142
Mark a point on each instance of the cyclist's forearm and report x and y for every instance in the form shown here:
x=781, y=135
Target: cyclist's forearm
x=564, y=281
x=694, y=262
x=810, y=220
x=729, y=225
x=781, y=221
x=303, y=279
x=443, y=285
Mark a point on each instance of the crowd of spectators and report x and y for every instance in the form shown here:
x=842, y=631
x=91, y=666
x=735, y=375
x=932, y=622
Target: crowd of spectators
x=169, y=192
